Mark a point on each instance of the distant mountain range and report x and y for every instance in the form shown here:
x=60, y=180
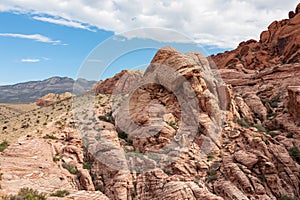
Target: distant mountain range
x=28, y=92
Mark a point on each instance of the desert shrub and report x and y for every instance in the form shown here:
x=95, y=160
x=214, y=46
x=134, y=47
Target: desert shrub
x=70, y=168
x=173, y=125
x=107, y=117
x=290, y=135
x=265, y=140
x=26, y=194
x=286, y=198
x=60, y=193
x=210, y=156
x=295, y=153
x=3, y=145
x=243, y=122
x=261, y=177
x=52, y=137
x=212, y=175
x=56, y=159
x=260, y=128
x=87, y=164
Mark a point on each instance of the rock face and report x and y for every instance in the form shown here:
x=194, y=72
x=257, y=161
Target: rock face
x=123, y=81
x=51, y=98
x=294, y=101
x=279, y=44
x=151, y=158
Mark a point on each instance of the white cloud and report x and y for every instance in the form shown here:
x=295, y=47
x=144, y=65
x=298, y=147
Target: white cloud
x=94, y=61
x=211, y=22
x=30, y=60
x=64, y=22
x=36, y=37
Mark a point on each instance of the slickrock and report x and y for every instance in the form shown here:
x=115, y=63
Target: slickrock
x=31, y=164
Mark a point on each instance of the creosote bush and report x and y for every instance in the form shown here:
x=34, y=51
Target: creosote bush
x=60, y=193
x=70, y=168
x=3, y=145
x=26, y=194
x=295, y=153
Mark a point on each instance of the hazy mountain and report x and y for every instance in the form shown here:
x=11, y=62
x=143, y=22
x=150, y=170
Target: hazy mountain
x=28, y=92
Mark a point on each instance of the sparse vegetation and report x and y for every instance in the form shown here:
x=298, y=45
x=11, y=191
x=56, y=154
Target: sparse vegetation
x=107, y=118
x=87, y=165
x=290, y=135
x=260, y=128
x=70, y=168
x=286, y=198
x=3, y=145
x=210, y=156
x=295, y=153
x=173, y=125
x=56, y=159
x=26, y=194
x=243, y=122
x=261, y=177
x=265, y=140
x=98, y=188
x=52, y=137
x=60, y=193
x=212, y=175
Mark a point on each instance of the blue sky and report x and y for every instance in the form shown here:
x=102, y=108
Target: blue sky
x=41, y=39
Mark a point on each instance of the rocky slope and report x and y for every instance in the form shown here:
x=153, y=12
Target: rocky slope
x=234, y=147
x=28, y=92
x=279, y=44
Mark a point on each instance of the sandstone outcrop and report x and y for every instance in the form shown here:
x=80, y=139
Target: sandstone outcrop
x=51, y=98
x=279, y=44
x=116, y=84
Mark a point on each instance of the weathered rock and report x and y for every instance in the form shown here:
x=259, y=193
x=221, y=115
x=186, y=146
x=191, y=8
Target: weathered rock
x=246, y=158
x=52, y=98
x=278, y=45
x=294, y=101
x=123, y=82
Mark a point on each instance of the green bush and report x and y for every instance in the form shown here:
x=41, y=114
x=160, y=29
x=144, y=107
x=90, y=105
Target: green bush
x=295, y=153
x=243, y=122
x=26, y=194
x=60, y=193
x=52, y=137
x=70, y=168
x=212, y=175
x=3, y=145
x=260, y=128
x=56, y=159
x=107, y=118
x=290, y=135
x=286, y=198
x=210, y=156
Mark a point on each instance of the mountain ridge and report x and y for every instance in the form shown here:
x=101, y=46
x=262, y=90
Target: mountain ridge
x=28, y=92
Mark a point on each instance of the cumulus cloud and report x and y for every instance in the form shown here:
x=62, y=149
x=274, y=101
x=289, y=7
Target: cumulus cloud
x=30, y=60
x=36, y=37
x=214, y=22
